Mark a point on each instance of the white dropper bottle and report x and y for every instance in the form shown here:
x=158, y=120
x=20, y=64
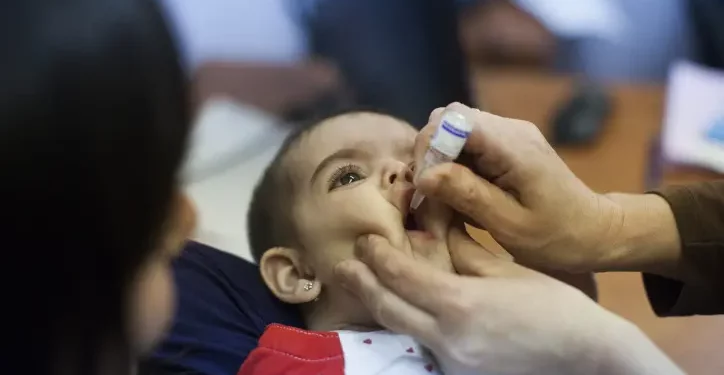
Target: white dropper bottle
x=445, y=146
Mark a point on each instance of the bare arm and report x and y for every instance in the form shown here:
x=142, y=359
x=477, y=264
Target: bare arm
x=678, y=234
x=646, y=240
x=677, y=239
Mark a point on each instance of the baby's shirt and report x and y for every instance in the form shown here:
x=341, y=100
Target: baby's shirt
x=284, y=350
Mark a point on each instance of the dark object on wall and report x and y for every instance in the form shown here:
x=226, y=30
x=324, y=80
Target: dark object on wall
x=707, y=16
x=581, y=119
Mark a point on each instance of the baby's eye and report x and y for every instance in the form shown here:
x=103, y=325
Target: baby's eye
x=344, y=176
x=349, y=178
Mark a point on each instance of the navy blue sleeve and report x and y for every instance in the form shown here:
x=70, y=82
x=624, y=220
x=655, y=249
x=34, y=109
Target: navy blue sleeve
x=223, y=308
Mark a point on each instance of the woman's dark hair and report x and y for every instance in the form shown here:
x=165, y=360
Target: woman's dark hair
x=93, y=127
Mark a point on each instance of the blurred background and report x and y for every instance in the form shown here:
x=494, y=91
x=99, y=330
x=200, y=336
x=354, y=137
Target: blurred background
x=629, y=92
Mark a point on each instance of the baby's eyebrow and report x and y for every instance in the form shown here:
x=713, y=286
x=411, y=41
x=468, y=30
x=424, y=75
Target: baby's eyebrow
x=345, y=153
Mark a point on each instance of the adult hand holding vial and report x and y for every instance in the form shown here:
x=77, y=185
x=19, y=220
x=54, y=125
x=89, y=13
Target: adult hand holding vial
x=515, y=186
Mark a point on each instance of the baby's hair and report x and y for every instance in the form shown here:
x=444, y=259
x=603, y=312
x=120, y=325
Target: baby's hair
x=269, y=221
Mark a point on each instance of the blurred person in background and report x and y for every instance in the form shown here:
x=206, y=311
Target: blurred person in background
x=93, y=128
x=399, y=57
x=404, y=57
x=606, y=40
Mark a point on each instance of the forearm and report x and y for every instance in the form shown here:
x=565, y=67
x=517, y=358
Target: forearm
x=645, y=237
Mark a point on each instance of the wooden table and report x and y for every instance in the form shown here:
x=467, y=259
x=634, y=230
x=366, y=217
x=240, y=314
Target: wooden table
x=618, y=161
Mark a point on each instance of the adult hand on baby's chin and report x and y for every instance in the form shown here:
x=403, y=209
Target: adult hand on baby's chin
x=497, y=317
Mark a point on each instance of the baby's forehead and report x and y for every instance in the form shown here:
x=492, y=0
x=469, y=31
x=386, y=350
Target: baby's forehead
x=365, y=130
x=370, y=132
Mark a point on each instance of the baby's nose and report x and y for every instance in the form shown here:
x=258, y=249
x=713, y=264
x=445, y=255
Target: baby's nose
x=405, y=173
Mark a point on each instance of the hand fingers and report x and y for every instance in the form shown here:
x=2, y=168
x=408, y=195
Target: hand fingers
x=474, y=147
x=472, y=196
x=471, y=259
x=489, y=145
x=388, y=309
x=488, y=142
x=413, y=280
x=422, y=142
x=491, y=140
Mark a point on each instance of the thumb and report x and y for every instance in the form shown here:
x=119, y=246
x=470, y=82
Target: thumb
x=460, y=188
x=471, y=259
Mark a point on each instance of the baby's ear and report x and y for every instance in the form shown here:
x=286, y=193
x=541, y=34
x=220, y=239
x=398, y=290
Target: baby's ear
x=284, y=274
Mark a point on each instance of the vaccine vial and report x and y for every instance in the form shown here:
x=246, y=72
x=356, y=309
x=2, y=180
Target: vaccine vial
x=445, y=146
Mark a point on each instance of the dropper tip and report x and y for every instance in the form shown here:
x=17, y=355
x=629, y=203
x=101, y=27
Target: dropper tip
x=417, y=199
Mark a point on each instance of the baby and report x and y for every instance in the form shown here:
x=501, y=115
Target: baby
x=341, y=178
x=344, y=177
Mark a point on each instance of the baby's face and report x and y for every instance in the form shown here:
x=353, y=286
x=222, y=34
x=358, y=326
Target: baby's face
x=353, y=176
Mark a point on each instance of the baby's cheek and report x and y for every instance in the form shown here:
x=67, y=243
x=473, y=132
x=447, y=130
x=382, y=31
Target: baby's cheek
x=325, y=258
x=387, y=225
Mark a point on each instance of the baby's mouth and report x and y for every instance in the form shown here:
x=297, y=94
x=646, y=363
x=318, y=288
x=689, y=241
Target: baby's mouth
x=411, y=219
x=411, y=223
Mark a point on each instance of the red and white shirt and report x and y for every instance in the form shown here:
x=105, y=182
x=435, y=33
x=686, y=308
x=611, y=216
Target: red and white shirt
x=286, y=350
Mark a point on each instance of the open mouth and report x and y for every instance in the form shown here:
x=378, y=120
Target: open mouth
x=411, y=222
